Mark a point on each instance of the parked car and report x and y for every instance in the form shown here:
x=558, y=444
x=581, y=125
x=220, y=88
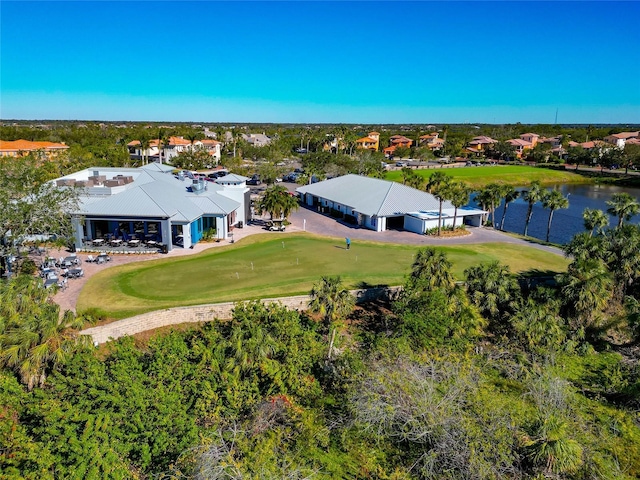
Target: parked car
x=401, y=164
x=254, y=180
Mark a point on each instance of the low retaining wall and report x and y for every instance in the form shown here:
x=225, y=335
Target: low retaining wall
x=207, y=313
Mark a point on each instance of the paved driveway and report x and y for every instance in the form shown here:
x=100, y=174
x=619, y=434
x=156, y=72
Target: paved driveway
x=310, y=220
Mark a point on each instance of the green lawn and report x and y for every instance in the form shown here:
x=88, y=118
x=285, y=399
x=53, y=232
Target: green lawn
x=478, y=177
x=261, y=266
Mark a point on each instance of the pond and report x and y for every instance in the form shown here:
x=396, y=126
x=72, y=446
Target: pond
x=566, y=223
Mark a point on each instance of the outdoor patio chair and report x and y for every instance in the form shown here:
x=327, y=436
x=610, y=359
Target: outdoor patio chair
x=90, y=259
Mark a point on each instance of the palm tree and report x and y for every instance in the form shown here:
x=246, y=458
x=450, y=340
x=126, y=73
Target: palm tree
x=510, y=194
x=333, y=301
x=459, y=197
x=431, y=270
x=34, y=338
x=554, y=200
x=489, y=197
x=583, y=247
x=163, y=140
x=145, y=144
x=552, y=448
x=532, y=196
x=278, y=202
x=623, y=206
x=437, y=185
x=594, y=219
x=411, y=178
x=586, y=290
x=493, y=289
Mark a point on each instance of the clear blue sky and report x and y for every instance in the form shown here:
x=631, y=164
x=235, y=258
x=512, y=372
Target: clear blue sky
x=308, y=62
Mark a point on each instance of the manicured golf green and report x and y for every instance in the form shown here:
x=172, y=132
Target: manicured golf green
x=263, y=266
x=516, y=175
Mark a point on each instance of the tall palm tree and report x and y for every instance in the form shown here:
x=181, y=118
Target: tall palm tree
x=489, y=197
x=333, y=301
x=623, y=206
x=438, y=186
x=532, y=196
x=510, y=194
x=554, y=200
x=431, y=270
x=459, y=197
x=594, y=219
x=145, y=144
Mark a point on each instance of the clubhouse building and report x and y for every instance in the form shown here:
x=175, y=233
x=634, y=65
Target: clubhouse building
x=383, y=205
x=151, y=205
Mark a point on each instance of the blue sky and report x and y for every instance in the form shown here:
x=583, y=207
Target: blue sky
x=313, y=62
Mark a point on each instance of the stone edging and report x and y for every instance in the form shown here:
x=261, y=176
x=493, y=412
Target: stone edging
x=206, y=313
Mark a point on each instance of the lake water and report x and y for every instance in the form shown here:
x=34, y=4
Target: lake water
x=566, y=223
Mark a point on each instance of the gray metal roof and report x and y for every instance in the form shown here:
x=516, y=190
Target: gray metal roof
x=214, y=204
x=372, y=196
x=156, y=194
x=232, y=178
x=158, y=167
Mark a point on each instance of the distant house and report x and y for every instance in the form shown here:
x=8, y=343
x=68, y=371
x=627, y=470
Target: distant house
x=431, y=141
x=397, y=141
x=382, y=205
x=370, y=142
x=18, y=148
x=151, y=152
x=620, y=139
x=478, y=145
x=213, y=147
x=149, y=203
x=532, y=138
x=256, y=139
x=520, y=146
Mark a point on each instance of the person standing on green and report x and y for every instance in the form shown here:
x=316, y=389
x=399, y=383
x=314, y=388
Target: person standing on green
x=348, y=242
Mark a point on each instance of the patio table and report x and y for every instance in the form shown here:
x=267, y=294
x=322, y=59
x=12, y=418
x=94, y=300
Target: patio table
x=134, y=243
x=116, y=242
x=75, y=273
x=97, y=242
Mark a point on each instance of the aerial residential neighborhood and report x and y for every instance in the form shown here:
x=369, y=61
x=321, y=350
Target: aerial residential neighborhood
x=320, y=240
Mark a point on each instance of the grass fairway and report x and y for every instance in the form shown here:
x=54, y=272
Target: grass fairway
x=478, y=177
x=261, y=266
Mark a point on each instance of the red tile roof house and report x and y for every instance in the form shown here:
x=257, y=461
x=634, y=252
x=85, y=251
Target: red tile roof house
x=532, y=138
x=479, y=144
x=397, y=141
x=370, y=142
x=16, y=148
x=619, y=139
x=520, y=146
x=432, y=141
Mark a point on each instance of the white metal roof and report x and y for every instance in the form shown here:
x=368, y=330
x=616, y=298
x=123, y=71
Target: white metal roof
x=372, y=196
x=152, y=193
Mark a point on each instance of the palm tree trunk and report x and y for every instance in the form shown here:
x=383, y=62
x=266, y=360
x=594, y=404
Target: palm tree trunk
x=504, y=214
x=440, y=218
x=526, y=225
x=333, y=338
x=549, y=224
x=455, y=216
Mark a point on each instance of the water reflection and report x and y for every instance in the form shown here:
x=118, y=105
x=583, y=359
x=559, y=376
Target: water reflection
x=568, y=222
